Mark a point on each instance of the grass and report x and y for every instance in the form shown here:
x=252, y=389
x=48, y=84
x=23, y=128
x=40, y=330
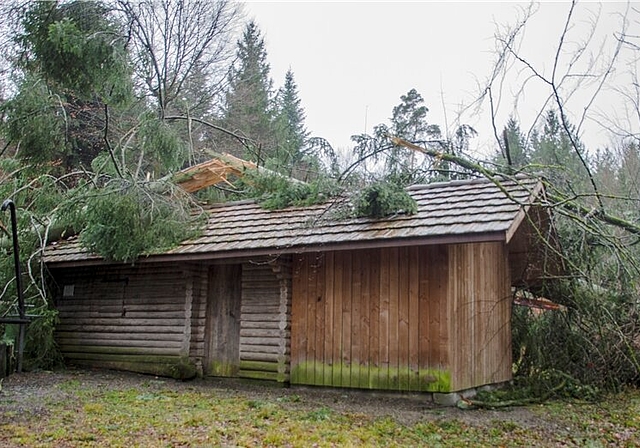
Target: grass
x=155, y=414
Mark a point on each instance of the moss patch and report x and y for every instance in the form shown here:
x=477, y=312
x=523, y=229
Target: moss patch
x=216, y=368
x=369, y=377
x=170, y=366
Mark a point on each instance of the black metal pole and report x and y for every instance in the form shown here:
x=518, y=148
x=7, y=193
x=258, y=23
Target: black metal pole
x=16, y=259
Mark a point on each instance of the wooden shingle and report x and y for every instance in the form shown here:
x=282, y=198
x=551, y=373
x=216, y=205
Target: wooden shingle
x=448, y=212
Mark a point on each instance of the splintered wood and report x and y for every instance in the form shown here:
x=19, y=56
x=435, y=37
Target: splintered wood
x=212, y=172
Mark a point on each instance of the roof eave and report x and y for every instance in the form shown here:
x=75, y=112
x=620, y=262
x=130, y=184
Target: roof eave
x=276, y=251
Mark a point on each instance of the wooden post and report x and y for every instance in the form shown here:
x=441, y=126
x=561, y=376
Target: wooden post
x=3, y=360
x=282, y=269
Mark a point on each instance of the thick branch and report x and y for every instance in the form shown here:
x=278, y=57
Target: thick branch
x=244, y=141
x=555, y=199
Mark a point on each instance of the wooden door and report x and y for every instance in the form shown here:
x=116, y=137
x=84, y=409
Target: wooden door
x=222, y=355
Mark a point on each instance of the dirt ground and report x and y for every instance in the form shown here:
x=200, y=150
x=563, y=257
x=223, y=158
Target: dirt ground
x=27, y=394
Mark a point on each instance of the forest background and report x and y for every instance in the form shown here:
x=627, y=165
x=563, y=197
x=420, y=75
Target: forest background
x=103, y=102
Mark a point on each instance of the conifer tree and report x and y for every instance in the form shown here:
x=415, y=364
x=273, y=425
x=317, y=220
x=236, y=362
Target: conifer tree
x=552, y=149
x=248, y=109
x=73, y=64
x=291, y=132
x=409, y=122
x=514, y=152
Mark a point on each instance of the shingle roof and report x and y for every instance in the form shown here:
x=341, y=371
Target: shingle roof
x=448, y=212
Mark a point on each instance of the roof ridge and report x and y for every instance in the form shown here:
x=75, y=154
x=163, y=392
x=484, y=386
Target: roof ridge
x=477, y=180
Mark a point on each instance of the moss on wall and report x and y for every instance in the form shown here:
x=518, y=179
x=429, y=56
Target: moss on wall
x=369, y=377
x=217, y=368
x=169, y=366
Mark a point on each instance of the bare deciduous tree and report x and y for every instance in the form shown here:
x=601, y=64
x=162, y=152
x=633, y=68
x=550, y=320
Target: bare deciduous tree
x=181, y=48
x=589, y=78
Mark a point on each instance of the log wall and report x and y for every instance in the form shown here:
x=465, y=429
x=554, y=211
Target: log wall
x=265, y=320
x=134, y=318
x=149, y=318
x=391, y=318
x=199, y=276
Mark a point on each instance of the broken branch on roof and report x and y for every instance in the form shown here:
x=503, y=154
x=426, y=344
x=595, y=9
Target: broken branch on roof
x=217, y=170
x=212, y=172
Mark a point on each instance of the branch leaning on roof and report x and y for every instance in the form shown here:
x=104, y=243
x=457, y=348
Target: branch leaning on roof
x=556, y=199
x=217, y=170
x=461, y=162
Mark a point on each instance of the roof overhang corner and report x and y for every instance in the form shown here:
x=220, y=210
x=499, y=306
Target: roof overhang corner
x=537, y=193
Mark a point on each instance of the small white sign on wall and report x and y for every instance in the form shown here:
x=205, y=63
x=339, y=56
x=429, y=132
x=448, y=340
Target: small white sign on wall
x=68, y=290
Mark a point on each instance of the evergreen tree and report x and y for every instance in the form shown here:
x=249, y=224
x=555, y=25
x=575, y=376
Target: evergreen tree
x=291, y=132
x=514, y=153
x=409, y=119
x=553, y=151
x=606, y=167
x=409, y=122
x=248, y=107
x=73, y=65
x=75, y=46
x=629, y=172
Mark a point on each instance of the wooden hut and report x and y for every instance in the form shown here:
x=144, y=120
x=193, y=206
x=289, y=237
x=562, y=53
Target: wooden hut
x=406, y=303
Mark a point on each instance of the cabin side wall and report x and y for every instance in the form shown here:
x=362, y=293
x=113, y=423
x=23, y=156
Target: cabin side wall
x=374, y=319
x=479, y=308
x=534, y=251
x=135, y=318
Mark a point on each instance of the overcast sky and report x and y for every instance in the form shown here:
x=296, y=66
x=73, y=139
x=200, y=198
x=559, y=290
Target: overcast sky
x=353, y=61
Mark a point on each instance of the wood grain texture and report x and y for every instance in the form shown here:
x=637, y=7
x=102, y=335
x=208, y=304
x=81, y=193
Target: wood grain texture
x=265, y=323
x=423, y=318
x=134, y=312
x=480, y=306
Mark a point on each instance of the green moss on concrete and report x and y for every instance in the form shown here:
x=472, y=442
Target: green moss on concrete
x=369, y=377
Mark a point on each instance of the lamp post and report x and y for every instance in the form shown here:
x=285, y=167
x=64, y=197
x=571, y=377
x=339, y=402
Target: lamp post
x=22, y=321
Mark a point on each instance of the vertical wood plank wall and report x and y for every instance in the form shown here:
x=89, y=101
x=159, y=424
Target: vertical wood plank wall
x=123, y=317
x=400, y=318
x=480, y=310
x=222, y=332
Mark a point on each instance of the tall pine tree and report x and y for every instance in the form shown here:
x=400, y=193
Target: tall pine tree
x=409, y=122
x=248, y=109
x=514, y=153
x=290, y=129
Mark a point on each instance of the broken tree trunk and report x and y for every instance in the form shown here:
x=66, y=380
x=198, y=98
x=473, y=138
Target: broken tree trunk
x=217, y=170
x=212, y=172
